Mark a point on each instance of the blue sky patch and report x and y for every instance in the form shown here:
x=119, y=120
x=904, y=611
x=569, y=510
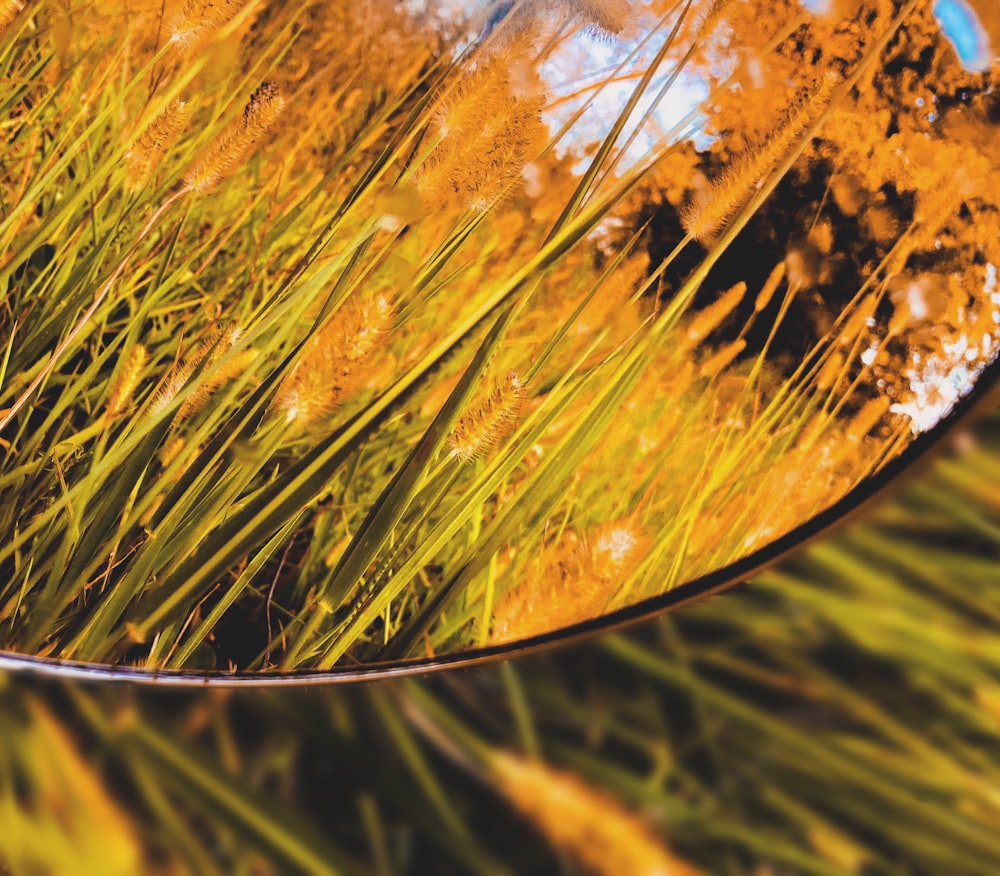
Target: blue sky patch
x=963, y=29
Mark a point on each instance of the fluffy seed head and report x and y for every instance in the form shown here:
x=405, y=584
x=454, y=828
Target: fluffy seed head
x=575, y=581
x=232, y=146
x=208, y=352
x=336, y=361
x=199, y=19
x=8, y=12
x=705, y=217
x=489, y=135
x=770, y=287
x=126, y=380
x=152, y=144
x=489, y=419
x=614, y=548
x=867, y=418
x=722, y=358
x=590, y=825
x=709, y=319
x=607, y=17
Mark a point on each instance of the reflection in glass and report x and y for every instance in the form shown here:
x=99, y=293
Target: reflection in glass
x=333, y=338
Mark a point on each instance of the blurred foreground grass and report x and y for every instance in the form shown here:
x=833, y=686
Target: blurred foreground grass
x=840, y=715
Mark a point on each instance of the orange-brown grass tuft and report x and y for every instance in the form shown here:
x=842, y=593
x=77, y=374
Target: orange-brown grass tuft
x=488, y=419
x=574, y=582
x=589, y=825
x=232, y=146
x=336, y=361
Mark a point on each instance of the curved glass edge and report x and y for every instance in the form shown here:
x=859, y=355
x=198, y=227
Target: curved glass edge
x=982, y=398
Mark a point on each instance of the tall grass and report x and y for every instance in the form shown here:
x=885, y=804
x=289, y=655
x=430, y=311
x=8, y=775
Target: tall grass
x=297, y=371
x=838, y=715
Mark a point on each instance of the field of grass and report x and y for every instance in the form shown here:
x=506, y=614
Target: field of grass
x=837, y=715
x=332, y=334
x=323, y=344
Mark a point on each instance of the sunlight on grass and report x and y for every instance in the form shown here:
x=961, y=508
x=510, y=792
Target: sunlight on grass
x=320, y=346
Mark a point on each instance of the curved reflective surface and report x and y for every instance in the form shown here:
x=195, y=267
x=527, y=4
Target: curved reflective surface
x=341, y=345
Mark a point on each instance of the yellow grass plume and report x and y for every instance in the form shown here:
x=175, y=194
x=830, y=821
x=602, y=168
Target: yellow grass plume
x=605, y=16
x=208, y=352
x=336, y=361
x=152, y=144
x=9, y=10
x=126, y=379
x=867, y=418
x=233, y=145
x=770, y=286
x=589, y=825
x=706, y=216
x=488, y=134
x=488, y=419
x=197, y=20
x=705, y=321
x=574, y=582
x=722, y=358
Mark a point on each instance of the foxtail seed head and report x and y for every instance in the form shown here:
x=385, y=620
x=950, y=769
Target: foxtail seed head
x=152, y=144
x=199, y=19
x=722, y=358
x=232, y=146
x=125, y=381
x=614, y=548
x=867, y=418
x=489, y=135
x=574, y=582
x=605, y=16
x=706, y=216
x=214, y=347
x=336, y=361
x=590, y=825
x=708, y=320
x=770, y=287
x=8, y=12
x=489, y=419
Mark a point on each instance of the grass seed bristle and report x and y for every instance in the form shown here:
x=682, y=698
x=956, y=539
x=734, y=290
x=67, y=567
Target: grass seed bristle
x=234, y=143
x=489, y=419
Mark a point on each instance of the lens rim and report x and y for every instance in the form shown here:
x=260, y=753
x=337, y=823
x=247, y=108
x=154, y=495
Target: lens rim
x=982, y=398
